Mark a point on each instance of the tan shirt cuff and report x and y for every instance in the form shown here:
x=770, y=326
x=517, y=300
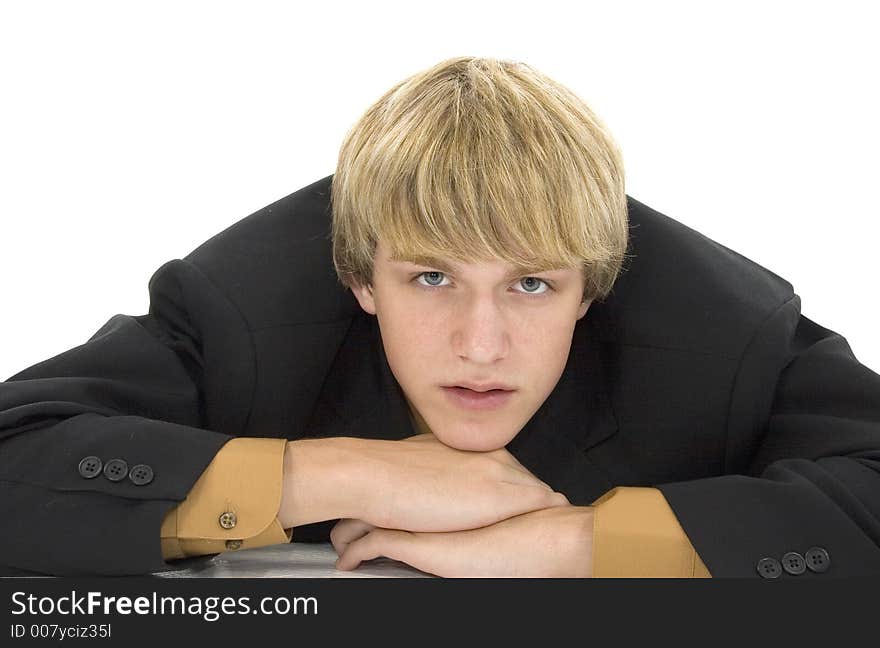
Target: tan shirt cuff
x=241, y=485
x=636, y=535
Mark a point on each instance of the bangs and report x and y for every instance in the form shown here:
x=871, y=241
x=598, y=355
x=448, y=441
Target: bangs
x=486, y=212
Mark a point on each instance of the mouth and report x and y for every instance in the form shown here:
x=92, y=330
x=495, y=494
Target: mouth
x=483, y=387
x=478, y=400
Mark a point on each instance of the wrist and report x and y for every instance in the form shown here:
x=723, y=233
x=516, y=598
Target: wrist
x=579, y=539
x=319, y=481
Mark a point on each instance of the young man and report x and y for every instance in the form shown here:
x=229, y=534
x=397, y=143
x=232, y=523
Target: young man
x=532, y=374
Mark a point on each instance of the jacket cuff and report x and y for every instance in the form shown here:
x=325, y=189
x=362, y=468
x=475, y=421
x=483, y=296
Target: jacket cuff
x=233, y=505
x=636, y=535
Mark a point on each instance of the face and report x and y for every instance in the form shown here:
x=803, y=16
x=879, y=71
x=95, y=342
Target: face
x=449, y=324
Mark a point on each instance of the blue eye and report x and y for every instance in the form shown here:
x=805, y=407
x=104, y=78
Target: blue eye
x=433, y=275
x=426, y=274
x=537, y=284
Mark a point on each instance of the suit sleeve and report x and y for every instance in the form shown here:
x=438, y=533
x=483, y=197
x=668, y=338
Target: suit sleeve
x=102, y=441
x=233, y=505
x=804, y=501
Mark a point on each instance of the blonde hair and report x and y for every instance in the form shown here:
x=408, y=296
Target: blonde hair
x=481, y=159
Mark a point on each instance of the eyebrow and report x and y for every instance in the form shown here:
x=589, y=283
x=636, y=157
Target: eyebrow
x=446, y=266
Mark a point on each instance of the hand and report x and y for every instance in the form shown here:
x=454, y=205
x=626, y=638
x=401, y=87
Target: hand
x=554, y=542
x=415, y=484
x=428, y=486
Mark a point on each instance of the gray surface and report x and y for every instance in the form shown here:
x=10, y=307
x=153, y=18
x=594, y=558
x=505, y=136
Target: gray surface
x=293, y=560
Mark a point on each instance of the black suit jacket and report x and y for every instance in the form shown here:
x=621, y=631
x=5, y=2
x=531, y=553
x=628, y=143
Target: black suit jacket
x=698, y=376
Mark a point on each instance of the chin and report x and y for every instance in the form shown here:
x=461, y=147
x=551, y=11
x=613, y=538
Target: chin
x=473, y=441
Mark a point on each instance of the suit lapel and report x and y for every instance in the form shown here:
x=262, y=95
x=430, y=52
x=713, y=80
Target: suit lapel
x=361, y=398
x=575, y=417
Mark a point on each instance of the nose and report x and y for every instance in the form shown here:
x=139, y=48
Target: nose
x=481, y=331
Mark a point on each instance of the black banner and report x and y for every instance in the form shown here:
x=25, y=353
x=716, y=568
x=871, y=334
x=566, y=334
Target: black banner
x=131, y=611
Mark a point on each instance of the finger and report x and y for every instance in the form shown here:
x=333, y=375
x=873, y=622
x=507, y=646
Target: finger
x=427, y=436
x=521, y=477
x=531, y=478
x=389, y=543
x=346, y=531
x=504, y=455
x=520, y=499
x=561, y=498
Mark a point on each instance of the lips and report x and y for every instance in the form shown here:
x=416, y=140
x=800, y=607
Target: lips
x=483, y=387
x=477, y=400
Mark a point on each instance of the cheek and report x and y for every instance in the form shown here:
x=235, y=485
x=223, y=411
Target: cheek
x=547, y=353
x=409, y=342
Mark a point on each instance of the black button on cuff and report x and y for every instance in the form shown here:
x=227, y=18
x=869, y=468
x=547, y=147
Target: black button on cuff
x=90, y=467
x=817, y=559
x=794, y=563
x=141, y=474
x=116, y=470
x=769, y=568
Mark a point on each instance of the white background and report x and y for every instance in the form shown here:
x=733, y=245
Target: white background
x=131, y=132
